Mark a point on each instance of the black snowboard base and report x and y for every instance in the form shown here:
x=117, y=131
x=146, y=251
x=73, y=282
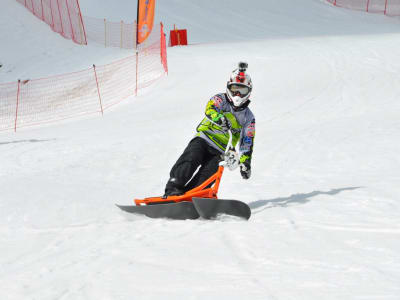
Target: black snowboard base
x=209, y=208
x=177, y=211
x=206, y=208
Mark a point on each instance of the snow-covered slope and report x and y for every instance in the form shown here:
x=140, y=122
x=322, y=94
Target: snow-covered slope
x=325, y=184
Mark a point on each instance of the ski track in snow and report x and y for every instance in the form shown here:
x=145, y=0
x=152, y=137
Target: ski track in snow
x=324, y=191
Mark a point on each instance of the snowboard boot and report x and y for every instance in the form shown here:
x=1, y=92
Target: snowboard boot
x=173, y=188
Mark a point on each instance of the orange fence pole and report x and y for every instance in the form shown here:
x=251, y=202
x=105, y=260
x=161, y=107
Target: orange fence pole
x=16, y=109
x=59, y=15
x=41, y=3
x=52, y=17
x=83, y=25
x=98, y=89
x=122, y=30
x=70, y=22
x=137, y=71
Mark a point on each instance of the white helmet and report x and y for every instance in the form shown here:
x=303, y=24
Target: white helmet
x=239, y=87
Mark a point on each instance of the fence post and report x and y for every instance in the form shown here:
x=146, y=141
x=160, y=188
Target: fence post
x=134, y=35
x=16, y=109
x=137, y=57
x=105, y=33
x=52, y=17
x=82, y=26
x=59, y=15
x=98, y=89
x=41, y=3
x=122, y=24
x=70, y=22
x=81, y=32
x=137, y=66
x=33, y=8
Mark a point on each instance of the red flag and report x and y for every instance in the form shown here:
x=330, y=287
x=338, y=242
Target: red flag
x=145, y=16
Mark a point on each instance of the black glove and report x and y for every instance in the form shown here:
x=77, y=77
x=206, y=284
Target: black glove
x=245, y=169
x=225, y=124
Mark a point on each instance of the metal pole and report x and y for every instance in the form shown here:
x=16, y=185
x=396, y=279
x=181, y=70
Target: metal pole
x=137, y=24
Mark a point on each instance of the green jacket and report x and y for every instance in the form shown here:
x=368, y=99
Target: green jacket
x=242, y=122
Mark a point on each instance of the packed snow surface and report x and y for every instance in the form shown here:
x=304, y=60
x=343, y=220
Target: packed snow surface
x=325, y=186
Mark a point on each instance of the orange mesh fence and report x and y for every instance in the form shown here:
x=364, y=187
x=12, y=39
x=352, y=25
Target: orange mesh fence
x=110, y=34
x=116, y=34
x=38, y=101
x=387, y=7
x=63, y=16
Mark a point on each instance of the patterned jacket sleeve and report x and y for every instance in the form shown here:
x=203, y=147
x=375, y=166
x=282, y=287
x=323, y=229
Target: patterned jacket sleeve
x=247, y=139
x=214, y=108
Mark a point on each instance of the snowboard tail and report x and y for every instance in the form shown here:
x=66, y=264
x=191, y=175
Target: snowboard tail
x=209, y=208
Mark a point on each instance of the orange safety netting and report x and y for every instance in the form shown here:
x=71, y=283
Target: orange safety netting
x=110, y=34
x=387, y=7
x=116, y=34
x=63, y=16
x=30, y=102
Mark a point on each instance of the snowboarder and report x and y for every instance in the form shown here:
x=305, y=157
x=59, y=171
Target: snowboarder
x=224, y=112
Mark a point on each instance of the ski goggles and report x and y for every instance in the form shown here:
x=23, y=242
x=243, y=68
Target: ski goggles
x=238, y=89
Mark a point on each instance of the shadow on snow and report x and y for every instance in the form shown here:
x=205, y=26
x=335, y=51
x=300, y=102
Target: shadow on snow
x=26, y=141
x=296, y=198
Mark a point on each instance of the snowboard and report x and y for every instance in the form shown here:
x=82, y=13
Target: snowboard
x=206, y=208
x=209, y=208
x=177, y=211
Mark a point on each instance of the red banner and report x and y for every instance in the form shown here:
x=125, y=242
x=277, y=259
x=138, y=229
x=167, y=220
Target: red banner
x=145, y=19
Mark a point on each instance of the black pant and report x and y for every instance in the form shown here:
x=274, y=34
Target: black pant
x=197, y=153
